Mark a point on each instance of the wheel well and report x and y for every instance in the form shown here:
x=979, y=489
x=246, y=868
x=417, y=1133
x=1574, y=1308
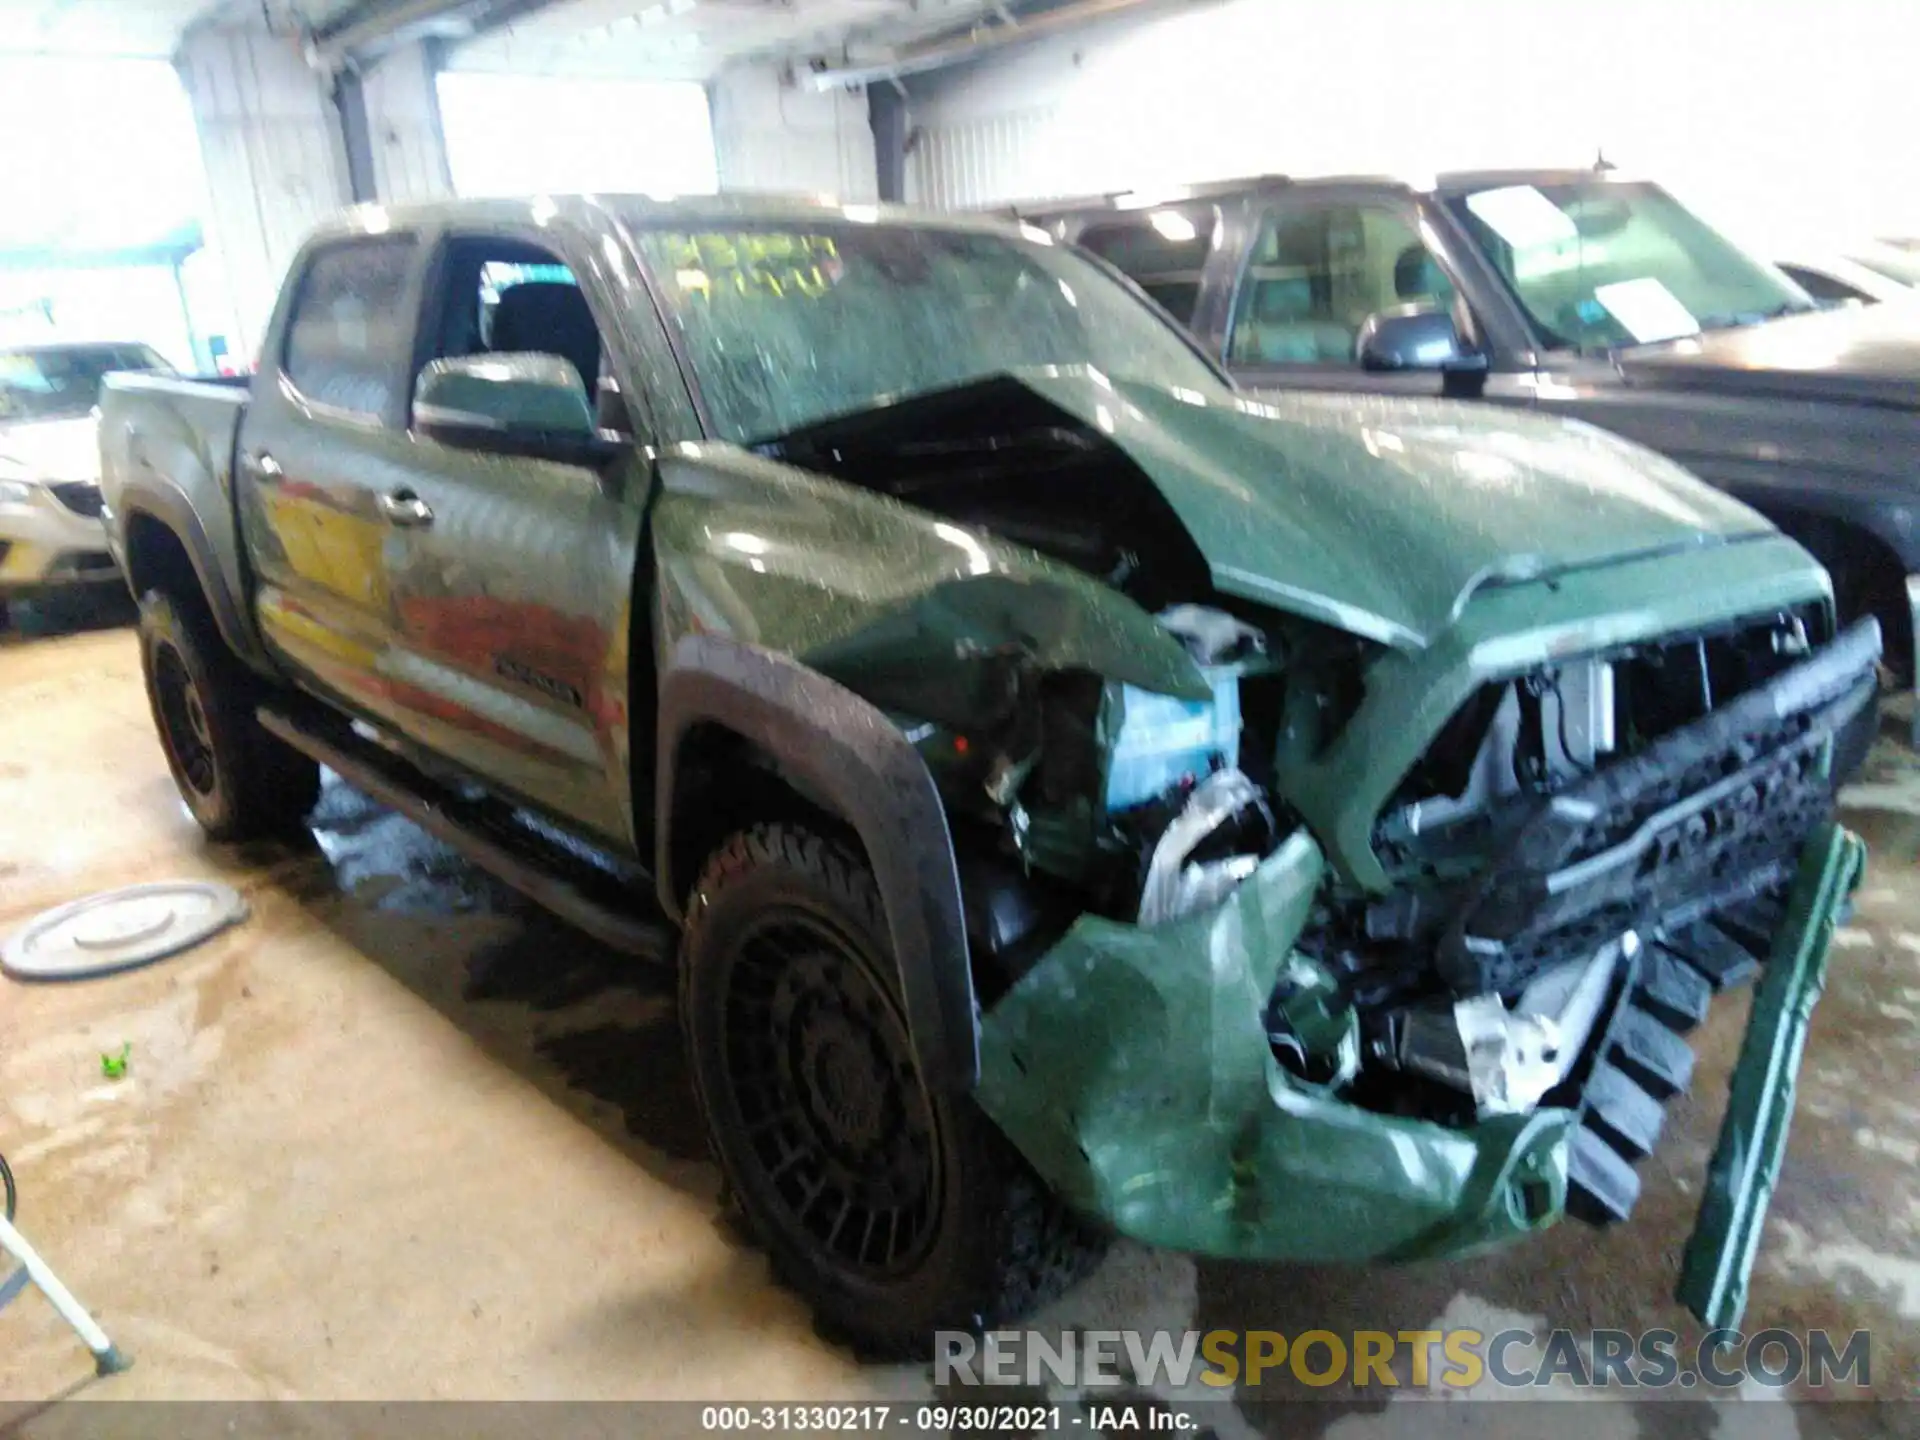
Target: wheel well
x=157, y=559
x=723, y=782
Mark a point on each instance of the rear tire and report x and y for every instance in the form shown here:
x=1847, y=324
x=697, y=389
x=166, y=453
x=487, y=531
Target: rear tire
x=894, y=1210
x=239, y=782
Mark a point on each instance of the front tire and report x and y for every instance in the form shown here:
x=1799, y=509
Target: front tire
x=894, y=1210
x=238, y=781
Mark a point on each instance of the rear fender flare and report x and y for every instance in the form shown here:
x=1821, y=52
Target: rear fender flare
x=857, y=762
x=175, y=514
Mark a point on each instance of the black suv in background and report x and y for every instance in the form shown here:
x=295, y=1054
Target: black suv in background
x=1578, y=291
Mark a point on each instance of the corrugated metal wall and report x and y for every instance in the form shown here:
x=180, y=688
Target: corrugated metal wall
x=403, y=121
x=770, y=135
x=273, y=158
x=1762, y=116
x=968, y=164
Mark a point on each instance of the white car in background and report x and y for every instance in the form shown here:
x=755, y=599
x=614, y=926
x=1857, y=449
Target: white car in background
x=1868, y=274
x=50, y=534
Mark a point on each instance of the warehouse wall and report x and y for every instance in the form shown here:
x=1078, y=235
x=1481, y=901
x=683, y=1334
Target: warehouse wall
x=275, y=161
x=1781, y=115
x=275, y=166
x=403, y=120
x=771, y=135
x=510, y=133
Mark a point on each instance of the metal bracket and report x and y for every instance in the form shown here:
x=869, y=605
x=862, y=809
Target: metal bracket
x=108, y=1358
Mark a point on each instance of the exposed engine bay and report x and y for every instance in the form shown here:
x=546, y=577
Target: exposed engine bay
x=1604, y=828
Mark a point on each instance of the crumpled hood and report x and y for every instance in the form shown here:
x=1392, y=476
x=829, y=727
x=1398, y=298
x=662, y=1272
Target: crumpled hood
x=1867, y=356
x=1383, y=515
x=54, y=450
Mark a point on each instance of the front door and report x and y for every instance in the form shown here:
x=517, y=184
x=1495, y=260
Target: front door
x=513, y=582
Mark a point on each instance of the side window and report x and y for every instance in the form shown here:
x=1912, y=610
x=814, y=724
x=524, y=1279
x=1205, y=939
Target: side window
x=1163, y=252
x=1822, y=287
x=351, y=334
x=1316, y=274
x=503, y=296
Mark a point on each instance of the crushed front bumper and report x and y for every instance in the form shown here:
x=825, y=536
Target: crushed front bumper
x=1131, y=1067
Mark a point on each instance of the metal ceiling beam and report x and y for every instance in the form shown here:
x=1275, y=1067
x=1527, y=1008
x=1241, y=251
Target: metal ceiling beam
x=959, y=47
x=374, y=27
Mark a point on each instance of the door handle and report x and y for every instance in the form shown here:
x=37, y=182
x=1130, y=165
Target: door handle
x=404, y=508
x=265, y=466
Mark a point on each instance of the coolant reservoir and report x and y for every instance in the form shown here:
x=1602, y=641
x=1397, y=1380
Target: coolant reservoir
x=1164, y=740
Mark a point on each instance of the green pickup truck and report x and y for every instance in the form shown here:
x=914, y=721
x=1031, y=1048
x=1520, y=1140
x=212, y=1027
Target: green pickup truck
x=1089, y=800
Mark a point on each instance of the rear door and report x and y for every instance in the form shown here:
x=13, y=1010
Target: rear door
x=323, y=439
x=511, y=575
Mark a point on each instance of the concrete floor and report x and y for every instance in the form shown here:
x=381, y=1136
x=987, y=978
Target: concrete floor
x=400, y=1136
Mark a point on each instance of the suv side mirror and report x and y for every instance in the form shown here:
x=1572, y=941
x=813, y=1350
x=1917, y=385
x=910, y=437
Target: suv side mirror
x=521, y=403
x=1413, y=337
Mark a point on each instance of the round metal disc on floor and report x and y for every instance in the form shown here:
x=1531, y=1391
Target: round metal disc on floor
x=120, y=930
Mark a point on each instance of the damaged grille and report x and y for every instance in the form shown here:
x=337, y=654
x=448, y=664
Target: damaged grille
x=1710, y=815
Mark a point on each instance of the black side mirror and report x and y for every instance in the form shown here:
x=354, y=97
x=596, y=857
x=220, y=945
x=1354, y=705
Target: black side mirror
x=1413, y=337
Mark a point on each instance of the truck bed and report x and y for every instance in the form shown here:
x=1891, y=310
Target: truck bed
x=164, y=439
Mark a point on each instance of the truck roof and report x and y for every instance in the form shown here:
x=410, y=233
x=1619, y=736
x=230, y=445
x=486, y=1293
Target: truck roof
x=1450, y=182
x=647, y=211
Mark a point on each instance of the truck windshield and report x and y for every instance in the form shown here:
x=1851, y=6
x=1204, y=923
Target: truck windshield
x=786, y=326
x=1599, y=264
x=56, y=382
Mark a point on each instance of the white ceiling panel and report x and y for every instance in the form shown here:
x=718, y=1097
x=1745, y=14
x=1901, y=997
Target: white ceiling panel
x=95, y=27
x=665, y=39
x=144, y=28
x=694, y=39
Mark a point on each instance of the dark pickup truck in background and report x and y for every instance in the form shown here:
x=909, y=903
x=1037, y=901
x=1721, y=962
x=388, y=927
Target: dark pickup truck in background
x=1578, y=292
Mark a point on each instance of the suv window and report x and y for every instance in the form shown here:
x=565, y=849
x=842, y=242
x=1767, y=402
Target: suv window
x=351, y=335
x=1315, y=275
x=1163, y=253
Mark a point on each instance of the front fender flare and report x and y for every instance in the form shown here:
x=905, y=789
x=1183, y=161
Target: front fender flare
x=850, y=754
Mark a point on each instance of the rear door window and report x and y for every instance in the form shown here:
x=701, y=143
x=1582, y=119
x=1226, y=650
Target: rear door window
x=1162, y=251
x=350, y=340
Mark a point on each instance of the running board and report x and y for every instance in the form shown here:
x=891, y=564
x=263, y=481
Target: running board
x=577, y=891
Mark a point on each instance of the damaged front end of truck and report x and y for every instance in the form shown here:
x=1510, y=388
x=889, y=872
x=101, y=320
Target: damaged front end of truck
x=1356, y=804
